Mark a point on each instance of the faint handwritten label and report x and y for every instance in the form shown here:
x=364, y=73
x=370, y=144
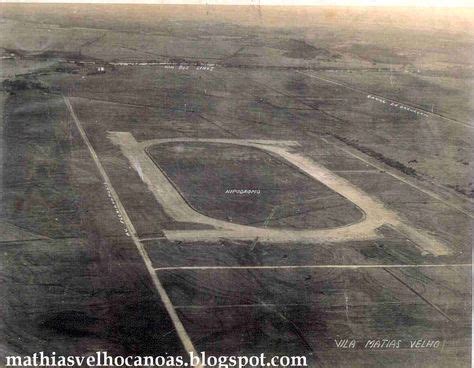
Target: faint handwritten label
x=387, y=344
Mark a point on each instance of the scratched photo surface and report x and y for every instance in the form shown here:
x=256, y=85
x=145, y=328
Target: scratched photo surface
x=237, y=180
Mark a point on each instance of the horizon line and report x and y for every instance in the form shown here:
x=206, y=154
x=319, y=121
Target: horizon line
x=453, y=4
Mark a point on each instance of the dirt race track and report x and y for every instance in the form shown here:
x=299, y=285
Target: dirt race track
x=375, y=215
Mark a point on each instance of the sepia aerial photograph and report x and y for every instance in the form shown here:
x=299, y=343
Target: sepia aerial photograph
x=247, y=184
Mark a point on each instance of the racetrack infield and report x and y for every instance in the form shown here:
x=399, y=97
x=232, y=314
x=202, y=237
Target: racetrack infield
x=248, y=186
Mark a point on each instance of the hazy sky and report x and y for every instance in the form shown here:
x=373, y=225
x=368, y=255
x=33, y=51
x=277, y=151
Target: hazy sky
x=405, y=3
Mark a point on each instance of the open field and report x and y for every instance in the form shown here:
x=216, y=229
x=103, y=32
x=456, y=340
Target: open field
x=262, y=181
